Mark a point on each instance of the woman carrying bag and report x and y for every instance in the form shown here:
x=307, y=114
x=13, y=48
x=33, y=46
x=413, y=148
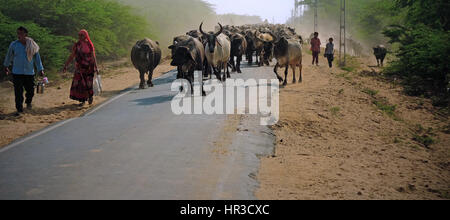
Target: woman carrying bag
x=85, y=67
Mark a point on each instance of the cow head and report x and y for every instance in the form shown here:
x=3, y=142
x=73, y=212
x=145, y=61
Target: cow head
x=211, y=38
x=376, y=50
x=236, y=42
x=184, y=58
x=281, y=47
x=144, y=51
x=250, y=38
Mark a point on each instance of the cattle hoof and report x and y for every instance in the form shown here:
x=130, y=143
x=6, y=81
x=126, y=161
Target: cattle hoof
x=239, y=71
x=142, y=86
x=280, y=79
x=285, y=83
x=150, y=84
x=294, y=81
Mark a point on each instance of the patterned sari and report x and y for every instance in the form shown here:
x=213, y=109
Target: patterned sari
x=85, y=67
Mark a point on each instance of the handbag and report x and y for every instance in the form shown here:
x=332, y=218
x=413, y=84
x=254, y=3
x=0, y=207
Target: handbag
x=98, y=88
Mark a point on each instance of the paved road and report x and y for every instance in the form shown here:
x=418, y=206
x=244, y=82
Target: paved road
x=134, y=147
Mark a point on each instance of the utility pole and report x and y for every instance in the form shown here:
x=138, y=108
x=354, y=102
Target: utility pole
x=342, y=37
x=316, y=19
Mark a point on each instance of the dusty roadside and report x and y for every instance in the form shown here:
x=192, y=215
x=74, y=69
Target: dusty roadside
x=340, y=137
x=54, y=105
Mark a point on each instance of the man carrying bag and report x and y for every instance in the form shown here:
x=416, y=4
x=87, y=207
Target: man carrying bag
x=23, y=54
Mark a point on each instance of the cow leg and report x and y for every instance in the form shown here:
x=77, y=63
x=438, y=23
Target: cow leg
x=250, y=58
x=182, y=76
x=150, y=77
x=238, y=63
x=293, y=74
x=217, y=72
x=285, y=75
x=276, y=73
x=191, y=80
x=233, y=65
x=206, y=70
x=261, y=59
x=382, y=60
x=228, y=71
x=201, y=85
x=300, y=78
x=180, y=73
x=209, y=70
x=224, y=76
x=258, y=58
x=142, y=77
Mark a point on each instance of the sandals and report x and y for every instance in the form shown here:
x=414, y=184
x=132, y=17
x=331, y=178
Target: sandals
x=91, y=100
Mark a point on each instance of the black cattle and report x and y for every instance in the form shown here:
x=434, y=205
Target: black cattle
x=188, y=57
x=146, y=56
x=380, y=53
x=238, y=49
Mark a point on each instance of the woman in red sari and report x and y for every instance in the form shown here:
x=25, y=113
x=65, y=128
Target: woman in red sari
x=85, y=66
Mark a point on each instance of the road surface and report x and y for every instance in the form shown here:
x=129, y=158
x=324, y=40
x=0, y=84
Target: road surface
x=134, y=147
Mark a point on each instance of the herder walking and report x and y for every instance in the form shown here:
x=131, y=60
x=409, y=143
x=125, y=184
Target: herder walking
x=23, y=54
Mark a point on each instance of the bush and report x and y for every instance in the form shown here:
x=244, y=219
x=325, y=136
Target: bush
x=422, y=60
x=424, y=49
x=53, y=52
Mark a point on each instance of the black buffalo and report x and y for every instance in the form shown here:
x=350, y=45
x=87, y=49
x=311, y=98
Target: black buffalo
x=380, y=53
x=189, y=56
x=146, y=56
x=238, y=49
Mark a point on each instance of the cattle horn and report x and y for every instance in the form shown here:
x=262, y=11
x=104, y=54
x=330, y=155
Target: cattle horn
x=201, y=30
x=221, y=30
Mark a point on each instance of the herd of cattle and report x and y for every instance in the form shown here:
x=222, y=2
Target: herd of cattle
x=214, y=53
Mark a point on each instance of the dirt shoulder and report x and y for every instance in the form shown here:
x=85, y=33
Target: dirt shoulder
x=347, y=135
x=54, y=105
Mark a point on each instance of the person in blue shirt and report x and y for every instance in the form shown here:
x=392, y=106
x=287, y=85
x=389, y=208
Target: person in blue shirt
x=23, y=55
x=329, y=52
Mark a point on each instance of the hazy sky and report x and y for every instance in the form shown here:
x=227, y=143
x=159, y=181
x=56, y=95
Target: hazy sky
x=280, y=10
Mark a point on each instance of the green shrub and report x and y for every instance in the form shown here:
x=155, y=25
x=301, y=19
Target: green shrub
x=424, y=49
x=53, y=48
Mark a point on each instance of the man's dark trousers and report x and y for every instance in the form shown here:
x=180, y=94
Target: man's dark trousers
x=21, y=82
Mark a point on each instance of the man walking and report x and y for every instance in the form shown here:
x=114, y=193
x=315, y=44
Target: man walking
x=329, y=52
x=23, y=54
x=315, y=48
